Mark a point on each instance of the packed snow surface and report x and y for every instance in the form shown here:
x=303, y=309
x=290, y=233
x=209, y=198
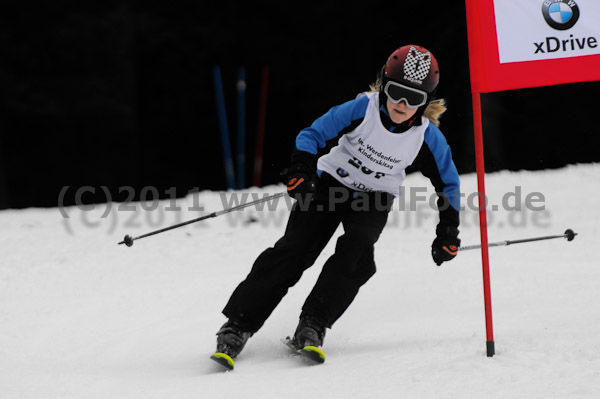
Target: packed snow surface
x=83, y=317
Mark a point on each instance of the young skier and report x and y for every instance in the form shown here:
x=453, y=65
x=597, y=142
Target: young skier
x=347, y=168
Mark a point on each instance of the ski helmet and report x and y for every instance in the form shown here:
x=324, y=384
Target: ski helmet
x=413, y=66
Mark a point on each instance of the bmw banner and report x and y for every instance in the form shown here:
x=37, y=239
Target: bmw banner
x=528, y=43
x=516, y=44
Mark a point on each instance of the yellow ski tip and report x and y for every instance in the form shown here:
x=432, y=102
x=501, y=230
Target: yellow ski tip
x=315, y=349
x=223, y=359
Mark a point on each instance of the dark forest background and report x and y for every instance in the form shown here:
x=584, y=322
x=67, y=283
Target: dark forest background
x=121, y=93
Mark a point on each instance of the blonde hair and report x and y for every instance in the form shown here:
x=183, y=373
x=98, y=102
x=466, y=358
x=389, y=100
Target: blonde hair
x=434, y=109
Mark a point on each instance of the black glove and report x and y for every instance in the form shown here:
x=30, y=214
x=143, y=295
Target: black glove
x=445, y=246
x=299, y=176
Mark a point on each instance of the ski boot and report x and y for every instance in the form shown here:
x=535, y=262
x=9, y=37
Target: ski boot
x=310, y=332
x=308, y=339
x=231, y=339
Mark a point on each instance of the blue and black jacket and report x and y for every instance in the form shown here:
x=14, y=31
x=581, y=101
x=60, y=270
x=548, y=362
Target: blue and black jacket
x=434, y=159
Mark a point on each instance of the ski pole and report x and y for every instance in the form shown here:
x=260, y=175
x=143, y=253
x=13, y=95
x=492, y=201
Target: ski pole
x=128, y=240
x=568, y=234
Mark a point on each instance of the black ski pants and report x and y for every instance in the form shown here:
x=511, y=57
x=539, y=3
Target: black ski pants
x=308, y=231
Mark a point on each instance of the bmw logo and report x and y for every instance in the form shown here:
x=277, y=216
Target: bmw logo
x=342, y=172
x=560, y=14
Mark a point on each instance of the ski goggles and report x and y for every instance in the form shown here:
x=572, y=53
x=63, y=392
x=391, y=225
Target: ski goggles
x=413, y=98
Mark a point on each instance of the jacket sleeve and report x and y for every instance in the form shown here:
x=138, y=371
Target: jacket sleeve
x=337, y=121
x=435, y=162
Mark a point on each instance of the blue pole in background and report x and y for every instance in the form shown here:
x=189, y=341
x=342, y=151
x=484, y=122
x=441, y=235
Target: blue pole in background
x=241, y=158
x=223, y=126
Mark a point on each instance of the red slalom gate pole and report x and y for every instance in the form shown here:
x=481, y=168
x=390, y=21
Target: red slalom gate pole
x=487, y=294
x=260, y=130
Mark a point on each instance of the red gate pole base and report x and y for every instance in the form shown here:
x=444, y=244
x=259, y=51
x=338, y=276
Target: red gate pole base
x=491, y=350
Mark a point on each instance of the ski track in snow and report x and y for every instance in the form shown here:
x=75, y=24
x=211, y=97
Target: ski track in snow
x=81, y=317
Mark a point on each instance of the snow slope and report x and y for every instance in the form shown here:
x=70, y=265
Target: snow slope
x=82, y=317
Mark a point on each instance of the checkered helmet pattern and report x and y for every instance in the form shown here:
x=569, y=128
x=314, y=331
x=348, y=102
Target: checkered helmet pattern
x=417, y=64
x=414, y=66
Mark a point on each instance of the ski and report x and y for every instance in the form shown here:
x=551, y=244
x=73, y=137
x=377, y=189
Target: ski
x=312, y=353
x=224, y=360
